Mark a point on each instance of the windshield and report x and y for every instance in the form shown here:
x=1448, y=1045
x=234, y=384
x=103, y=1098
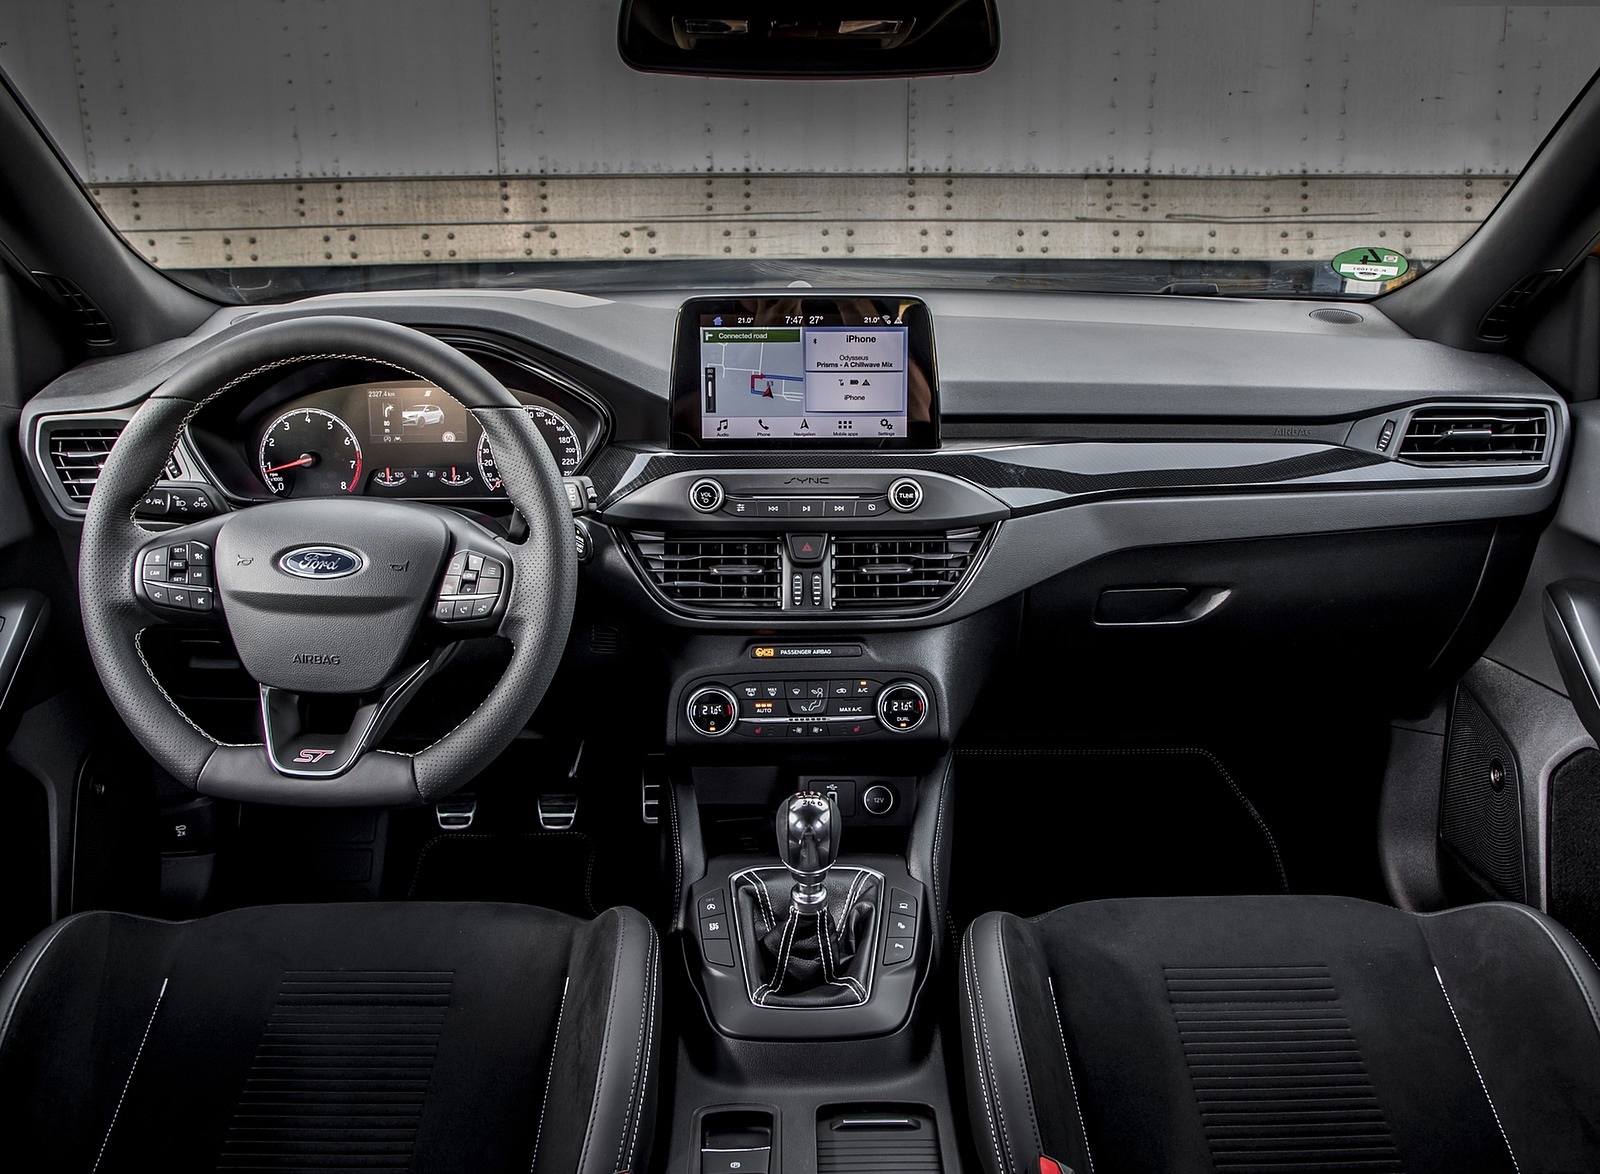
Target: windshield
x=259, y=151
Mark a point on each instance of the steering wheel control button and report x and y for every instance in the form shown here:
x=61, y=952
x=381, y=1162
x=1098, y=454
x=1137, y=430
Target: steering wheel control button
x=706, y=495
x=470, y=588
x=178, y=576
x=902, y=707
x=905, y=494
x=712, y=711
x=878, y=799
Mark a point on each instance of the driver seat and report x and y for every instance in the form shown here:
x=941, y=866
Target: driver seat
x=371, y=1037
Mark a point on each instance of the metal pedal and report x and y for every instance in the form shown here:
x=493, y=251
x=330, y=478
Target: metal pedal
x=456, y=813
x=557, y=813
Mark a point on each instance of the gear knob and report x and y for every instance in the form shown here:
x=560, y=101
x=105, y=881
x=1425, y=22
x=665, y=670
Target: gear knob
x=809, y=827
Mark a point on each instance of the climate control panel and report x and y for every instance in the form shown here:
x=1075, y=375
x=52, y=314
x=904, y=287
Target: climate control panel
x=809, y=707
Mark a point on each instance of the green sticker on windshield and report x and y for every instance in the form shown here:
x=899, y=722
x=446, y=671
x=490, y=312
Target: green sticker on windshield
x=1370, y=264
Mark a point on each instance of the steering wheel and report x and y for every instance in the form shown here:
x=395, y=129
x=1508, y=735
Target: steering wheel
x=328, y=598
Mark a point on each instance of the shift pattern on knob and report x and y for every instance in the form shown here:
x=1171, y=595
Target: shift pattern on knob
x=809, y=828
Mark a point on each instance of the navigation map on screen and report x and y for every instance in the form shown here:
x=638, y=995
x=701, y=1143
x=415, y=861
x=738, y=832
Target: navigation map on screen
x=798, y=380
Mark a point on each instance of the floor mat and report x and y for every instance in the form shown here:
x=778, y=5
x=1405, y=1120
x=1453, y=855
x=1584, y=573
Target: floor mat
x=1035, y=830
x=554, y=870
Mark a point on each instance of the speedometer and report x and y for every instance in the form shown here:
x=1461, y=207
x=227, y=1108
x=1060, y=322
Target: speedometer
x=558, y=435
x=308, y=452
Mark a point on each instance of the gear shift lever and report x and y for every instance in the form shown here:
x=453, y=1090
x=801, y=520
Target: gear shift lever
x=809, y=827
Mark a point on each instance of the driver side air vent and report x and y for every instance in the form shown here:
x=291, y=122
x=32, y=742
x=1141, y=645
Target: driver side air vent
x=721, y=573
x=77, y=454
x=901, y=572
x=1496, y=434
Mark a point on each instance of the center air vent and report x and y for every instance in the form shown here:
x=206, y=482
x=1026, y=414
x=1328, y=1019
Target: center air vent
x=900, y=573
x=721, y=573
x=77, y=454
x=1495, y=434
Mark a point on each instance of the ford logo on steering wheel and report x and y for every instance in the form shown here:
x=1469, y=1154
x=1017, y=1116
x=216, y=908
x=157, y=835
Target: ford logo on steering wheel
x=320, y=562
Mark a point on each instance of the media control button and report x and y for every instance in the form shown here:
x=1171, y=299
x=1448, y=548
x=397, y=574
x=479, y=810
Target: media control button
x=706, y=495
x=905, y=494
x=871, y=507
x=807, y=507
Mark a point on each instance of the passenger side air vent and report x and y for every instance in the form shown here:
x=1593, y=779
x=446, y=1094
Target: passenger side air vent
x=1502, y=317
x=1497, y=434
x=900, y=573
x=731, y=574
x=77, y=454
x=93, y=325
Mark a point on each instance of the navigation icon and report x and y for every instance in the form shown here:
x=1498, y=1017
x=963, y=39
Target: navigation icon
x=805, y=426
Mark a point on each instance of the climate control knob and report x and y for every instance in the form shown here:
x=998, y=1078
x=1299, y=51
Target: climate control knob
x=712, y=711
x=902, y=707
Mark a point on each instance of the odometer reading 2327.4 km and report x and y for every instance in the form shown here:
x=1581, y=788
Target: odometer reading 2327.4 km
x=309, y=453
x=557, y=434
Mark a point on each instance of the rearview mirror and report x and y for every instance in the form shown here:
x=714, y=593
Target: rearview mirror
x=808, y=39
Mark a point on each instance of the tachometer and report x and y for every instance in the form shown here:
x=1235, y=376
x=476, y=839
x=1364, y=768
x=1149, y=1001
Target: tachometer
x=558, y=435
x=308, y=452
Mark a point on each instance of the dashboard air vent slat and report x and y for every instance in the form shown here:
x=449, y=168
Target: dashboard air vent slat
x=720, y=573
x=901, y=572
x=1466, y=436
x=77, y=454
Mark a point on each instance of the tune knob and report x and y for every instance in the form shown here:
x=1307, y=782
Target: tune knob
x=712, y=711
x=902, y=707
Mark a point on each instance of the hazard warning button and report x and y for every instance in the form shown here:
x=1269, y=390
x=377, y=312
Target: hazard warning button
x=805, y=549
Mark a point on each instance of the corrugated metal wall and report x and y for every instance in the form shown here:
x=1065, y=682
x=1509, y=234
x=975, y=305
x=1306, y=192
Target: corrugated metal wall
x=145, y=91
x=315, y=132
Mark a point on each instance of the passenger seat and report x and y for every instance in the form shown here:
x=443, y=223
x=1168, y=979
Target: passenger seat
x=1277, y=1034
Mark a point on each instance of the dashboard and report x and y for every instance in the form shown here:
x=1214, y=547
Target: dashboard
x=1096, y=480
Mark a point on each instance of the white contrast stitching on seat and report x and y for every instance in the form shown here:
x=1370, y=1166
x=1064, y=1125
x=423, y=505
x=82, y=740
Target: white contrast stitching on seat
x=649, y=1043
x=1481, y=1084
x=1072, y=1083
x=639, y=1066
x=550, y=1077
x=127, y=1084
x=605, y=1039
x=1016, y=1034
x=977, y=1054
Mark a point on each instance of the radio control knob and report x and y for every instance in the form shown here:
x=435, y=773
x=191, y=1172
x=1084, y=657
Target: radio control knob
x=706, y=495
x=902, y=707
x=712, y=711
x=905, y=494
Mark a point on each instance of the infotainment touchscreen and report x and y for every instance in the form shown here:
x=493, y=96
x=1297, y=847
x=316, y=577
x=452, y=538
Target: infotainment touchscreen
x=790, y=371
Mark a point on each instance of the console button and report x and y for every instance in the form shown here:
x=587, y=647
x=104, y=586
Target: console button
x=713, y=904
x=902, y=926
x=905, y=494
x=803, y=690
x=902, y=707
x=839, y=508
x=808, y=705
x=861, y=687
x=717, y=951
x=734, y=1161
x=773, y=509
x=902, y=902
x=807, y=507
x=850, y=707
x=854, y=729
x=759, y=690
x=763, y=707
x=739, y=509
x=807, y=548
x=871, y=507
x=714, y=927
x=898, y=950
x=772, y=729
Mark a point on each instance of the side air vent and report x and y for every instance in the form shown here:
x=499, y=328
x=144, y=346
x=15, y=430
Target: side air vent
x=93, y=325
x=77, y=454
x=1498, y=434
x=732, y=574
x=900, y=573
x=1501, y=319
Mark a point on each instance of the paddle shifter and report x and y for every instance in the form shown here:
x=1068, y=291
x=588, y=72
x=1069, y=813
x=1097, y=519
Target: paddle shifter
x=809, y=828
